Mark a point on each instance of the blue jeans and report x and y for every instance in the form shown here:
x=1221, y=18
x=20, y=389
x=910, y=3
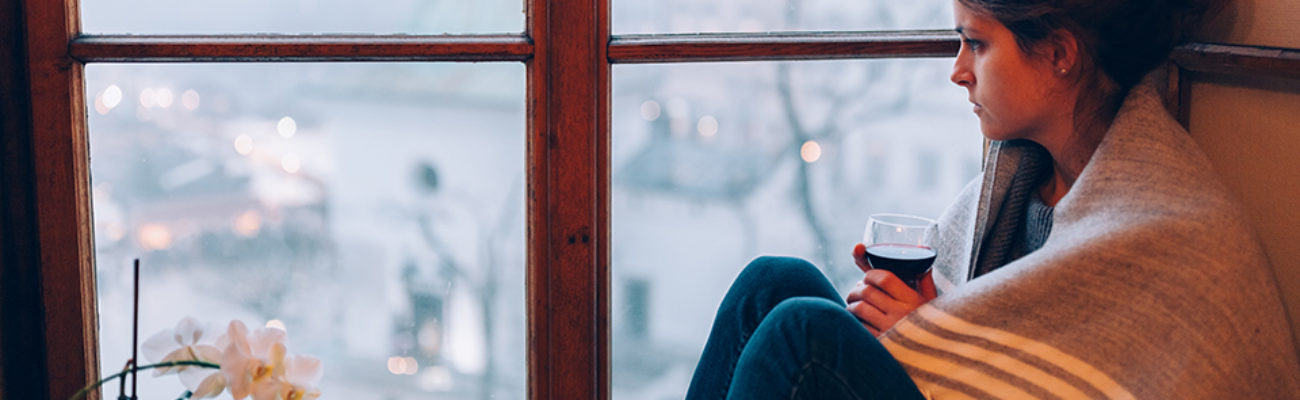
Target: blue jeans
x=783, y=332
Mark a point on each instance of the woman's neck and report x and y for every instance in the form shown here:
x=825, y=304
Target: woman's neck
x=1071, y=153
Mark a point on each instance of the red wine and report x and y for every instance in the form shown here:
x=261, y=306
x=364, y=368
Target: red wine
x=906, y=261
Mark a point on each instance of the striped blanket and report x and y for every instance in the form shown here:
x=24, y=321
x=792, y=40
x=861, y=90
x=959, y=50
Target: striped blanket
x=1150, y=286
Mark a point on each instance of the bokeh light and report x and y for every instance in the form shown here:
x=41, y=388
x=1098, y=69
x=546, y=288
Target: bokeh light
x=650, y=110
x=291, y=163
x=708, y=126
x=190, y=100
x=148, y=98
x=286, y=127
x=112, y=96
x=811, y=151
x=244, y=144
x=154, y=236
x=277, y=324
x=164, y=97
x=248, y=223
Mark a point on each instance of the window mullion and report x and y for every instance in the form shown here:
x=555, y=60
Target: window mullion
x=781, y=46
x=568, y=211
x=62, y=180
x=297, y=48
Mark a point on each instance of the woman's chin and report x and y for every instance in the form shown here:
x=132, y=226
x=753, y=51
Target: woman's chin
x=995, y=132
x=991, y=133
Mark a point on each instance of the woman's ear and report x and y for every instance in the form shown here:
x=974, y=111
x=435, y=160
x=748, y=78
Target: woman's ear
x=1061, y=50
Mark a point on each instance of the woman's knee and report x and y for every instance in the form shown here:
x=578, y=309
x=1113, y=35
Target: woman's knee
x=813, y=313
x=777, y=278
x=768, y=281
x=785, y=271
x=809, y=323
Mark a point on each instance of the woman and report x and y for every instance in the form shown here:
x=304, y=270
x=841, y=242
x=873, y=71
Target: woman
x=1150, y=284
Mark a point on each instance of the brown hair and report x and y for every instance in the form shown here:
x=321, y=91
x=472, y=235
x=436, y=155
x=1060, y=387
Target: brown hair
x=1124, y=39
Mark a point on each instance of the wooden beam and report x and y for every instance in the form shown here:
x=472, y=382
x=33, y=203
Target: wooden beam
x=247, y=48
x=568, y=200
x=62, y=178
x=781, y=46
x=1239, y=60
x=22, y=339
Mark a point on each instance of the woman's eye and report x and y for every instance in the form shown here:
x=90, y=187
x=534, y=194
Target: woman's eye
x=973, y=44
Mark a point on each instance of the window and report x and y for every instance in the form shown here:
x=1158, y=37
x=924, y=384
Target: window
x=715, y=164
x=375, y=211
x=570, y=161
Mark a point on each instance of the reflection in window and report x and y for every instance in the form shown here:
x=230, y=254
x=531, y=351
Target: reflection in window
x=715, y=164
x=301, y=16
x=685, y=16
x=374, y=211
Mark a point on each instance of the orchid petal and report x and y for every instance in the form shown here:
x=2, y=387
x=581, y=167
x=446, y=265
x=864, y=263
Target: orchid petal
x=211, y=386
x=235, y=366
x=278, y=351
x=223, y=341
x=188, y=331
x=268, y=390
x=310, y=394
x=237, y=333
x=181, y=354
x=303, y=371
x=193, y=378
x=263, y=339
x=157, y=346
x=207, y=353
x=210, y=335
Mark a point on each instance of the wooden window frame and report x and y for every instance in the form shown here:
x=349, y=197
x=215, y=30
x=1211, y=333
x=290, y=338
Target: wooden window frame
x=50, y=335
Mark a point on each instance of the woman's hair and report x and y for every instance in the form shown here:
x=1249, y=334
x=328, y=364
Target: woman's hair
x=1124, y=39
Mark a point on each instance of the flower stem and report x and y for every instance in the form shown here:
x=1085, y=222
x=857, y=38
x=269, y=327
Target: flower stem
x=82, y=393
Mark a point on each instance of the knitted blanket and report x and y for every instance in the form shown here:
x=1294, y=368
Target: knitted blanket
x=1151, y=284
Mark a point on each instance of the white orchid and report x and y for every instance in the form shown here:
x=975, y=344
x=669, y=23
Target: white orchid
x=254, y=364
x=251, y=364
x=187, y=342
x=302, y=374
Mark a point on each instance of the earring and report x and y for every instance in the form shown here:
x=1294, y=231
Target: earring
x=1063, y=71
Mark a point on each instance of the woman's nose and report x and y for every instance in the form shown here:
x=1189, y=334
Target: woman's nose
x=961, y=75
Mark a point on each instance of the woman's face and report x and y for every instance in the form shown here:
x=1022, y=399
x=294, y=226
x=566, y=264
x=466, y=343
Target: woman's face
x=1016, y=95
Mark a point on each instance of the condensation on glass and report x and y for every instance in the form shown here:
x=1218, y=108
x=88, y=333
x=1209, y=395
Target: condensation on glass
x=687, y=16
x=301, y=16
x=375, y=211
x=716, y=164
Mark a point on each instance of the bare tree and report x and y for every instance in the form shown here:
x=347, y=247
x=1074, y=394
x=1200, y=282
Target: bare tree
x=841, y=101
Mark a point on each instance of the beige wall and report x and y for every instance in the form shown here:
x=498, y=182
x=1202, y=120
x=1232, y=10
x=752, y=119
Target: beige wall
x=1273, y=23
x=1250, y=127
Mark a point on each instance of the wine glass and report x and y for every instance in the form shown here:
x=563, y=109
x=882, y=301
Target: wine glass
x=901, y=244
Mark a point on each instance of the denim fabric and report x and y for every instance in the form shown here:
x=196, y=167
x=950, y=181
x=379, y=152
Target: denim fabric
x=783, y=332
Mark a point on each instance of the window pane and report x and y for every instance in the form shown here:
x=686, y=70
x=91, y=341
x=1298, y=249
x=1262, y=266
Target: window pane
x=376, y=211
x=714, y=165
x=301, y=16
x=682, y=16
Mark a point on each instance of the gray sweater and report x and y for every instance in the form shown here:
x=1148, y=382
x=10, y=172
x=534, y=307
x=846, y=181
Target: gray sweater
x=1028, y=220
x=1150, y=286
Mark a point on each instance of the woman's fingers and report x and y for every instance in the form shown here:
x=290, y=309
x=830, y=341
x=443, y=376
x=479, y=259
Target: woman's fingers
x=860, y=257
x=873, y=330
x=875, y=320
x=894, y=287
x=926, y=284
x=881, y=299
x=856, y=293
x=874, y=296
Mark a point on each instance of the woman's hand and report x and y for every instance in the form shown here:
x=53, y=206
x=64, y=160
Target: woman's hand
x=881, y=299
